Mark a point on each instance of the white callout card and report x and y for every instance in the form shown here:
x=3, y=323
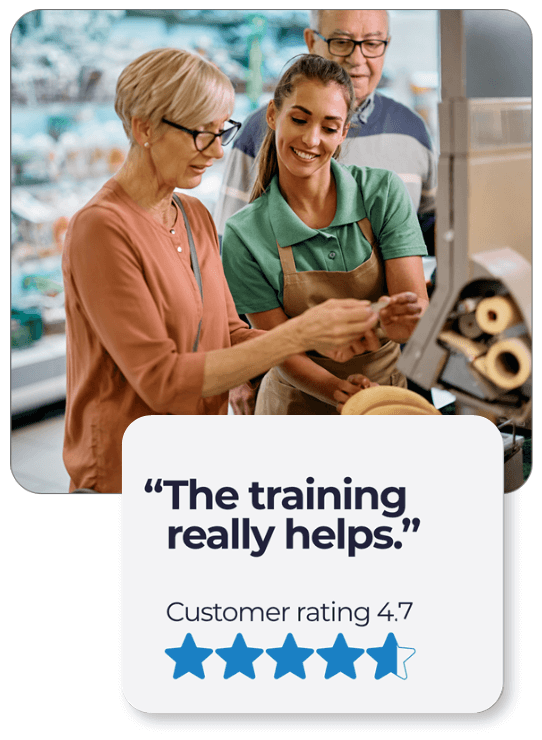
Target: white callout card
x=333, y=565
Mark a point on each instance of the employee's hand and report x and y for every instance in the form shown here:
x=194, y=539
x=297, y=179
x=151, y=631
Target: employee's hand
x=399, y=318
x=243, y=400
x=367, y=343
x=336, y=324
x=353, y=384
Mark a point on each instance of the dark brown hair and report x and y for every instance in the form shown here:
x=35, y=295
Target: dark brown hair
x=306, y=67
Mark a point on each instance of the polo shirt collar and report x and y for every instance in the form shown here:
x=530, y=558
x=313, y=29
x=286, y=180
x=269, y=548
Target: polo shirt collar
x=289, y=229
x=287, y=226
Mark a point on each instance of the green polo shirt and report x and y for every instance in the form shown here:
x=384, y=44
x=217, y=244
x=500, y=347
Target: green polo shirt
x=249, y=247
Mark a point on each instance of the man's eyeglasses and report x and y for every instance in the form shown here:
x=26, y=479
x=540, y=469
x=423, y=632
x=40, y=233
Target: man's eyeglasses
x=370, y=48
x=204, y=139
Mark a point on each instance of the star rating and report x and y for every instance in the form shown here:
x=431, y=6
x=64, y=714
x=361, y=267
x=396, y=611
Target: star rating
x=188, y=658
x=290, y=657
x=340, y=658
x=239, y=658
x=391, y=658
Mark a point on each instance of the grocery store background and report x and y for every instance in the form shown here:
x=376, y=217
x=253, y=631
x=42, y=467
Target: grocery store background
x=67, y=141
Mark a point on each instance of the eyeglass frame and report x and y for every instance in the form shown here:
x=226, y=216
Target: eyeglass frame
x=356, y=43
x=236, y=125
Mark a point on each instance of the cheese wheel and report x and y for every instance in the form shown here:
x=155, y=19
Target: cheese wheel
x=400, y=409
x=508, y=363
x=387, y=399
x=496, y=314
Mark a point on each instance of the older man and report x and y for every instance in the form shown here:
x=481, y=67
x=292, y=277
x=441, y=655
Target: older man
x=383, y=133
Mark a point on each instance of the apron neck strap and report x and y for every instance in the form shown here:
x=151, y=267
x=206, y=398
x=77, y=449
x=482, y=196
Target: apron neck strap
x=287, y=261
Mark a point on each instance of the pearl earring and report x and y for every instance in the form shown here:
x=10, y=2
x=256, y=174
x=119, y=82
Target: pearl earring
x=146, y=143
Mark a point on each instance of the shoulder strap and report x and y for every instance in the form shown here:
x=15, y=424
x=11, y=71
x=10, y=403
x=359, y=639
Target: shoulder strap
x=287, y=261
x=193, y=260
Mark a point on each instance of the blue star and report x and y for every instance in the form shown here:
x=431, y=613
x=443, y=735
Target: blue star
x=188, y=658
x=340, y=658
x=290, y=658
x=391, y=658
x=239, y=658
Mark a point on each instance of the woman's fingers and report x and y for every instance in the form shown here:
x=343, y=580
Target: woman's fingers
x=368, y=343
x=353, y=384
x=339, y=322
x=401, y=306
x=371, y=341
x=242, y=400
x=359, y=380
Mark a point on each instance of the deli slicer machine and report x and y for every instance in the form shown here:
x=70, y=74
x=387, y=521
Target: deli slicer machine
x=475, y=337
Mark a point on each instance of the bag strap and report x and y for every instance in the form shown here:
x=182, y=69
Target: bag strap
x=193, y=260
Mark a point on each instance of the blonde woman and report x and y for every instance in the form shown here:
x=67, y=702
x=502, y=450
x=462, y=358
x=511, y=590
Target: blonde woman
x=317, y=230
x=151, y=325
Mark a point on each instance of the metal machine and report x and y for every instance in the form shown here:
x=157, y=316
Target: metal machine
x=475, y=338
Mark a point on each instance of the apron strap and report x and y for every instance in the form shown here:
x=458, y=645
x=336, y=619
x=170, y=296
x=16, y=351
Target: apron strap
x=287, y=261
x=194, y=262
x=286, y=254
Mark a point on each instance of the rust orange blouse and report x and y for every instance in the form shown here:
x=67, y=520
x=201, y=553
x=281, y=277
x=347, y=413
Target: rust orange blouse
x=132, y=311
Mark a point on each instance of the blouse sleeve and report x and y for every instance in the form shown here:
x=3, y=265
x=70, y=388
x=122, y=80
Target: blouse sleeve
x=115, y=304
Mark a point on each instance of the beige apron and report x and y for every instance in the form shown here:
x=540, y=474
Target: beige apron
x=302, y=290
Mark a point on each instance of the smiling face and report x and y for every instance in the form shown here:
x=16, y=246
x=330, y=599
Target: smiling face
x=357, y=25
x=308, y=128
x=176, y=161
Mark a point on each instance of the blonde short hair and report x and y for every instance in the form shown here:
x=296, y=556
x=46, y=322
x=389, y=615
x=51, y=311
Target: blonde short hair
x=173, y=84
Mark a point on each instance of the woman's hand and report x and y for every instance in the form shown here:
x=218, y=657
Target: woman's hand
x=337, y=324
x=243, y=400
x=349, y=387
x=399, y=318
x=368, y=343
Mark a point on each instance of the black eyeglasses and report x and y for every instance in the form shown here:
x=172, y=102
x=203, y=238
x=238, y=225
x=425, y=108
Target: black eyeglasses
x=370, y=48
x=204, y=139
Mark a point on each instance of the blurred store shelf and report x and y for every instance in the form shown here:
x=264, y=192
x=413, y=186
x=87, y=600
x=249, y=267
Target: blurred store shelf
x=38, y=374
x=36, y=450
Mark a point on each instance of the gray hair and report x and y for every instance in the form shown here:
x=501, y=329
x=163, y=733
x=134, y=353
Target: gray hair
x=315, y=18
